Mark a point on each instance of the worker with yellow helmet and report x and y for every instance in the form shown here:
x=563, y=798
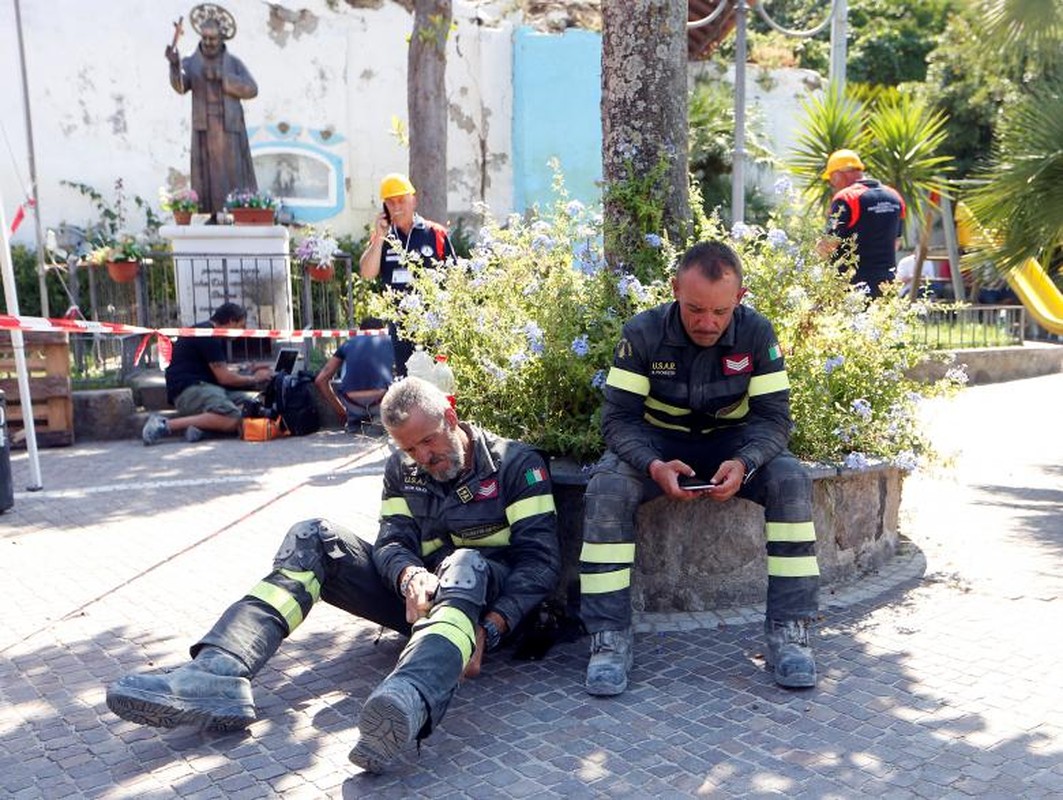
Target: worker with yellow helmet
x=399, y=234
x=866, y=221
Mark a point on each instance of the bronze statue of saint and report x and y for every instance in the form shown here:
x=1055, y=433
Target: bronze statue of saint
x=221, y=155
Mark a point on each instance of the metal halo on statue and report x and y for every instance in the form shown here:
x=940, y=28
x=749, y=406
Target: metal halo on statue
x=212, y=12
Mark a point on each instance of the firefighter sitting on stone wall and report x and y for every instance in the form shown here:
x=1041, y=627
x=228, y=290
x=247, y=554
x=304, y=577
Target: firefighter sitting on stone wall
x=698, y=387
x=467, y=547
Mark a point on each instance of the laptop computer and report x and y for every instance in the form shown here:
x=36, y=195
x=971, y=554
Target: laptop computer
x=286, y=358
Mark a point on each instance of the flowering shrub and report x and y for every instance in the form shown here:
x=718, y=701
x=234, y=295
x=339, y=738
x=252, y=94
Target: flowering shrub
x=181, y=200
x=245, y=198
x=530, y=321
x=316, y=248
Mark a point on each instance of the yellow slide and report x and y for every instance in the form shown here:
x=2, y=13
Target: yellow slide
x=1039, y=294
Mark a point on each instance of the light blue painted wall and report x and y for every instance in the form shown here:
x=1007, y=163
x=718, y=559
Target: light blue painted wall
x=557, y=94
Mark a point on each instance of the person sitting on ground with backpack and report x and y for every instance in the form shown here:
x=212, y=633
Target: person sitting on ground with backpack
x=204, y=388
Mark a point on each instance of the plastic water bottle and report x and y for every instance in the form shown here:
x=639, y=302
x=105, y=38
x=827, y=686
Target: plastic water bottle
x=419, y=365
x=443, y=375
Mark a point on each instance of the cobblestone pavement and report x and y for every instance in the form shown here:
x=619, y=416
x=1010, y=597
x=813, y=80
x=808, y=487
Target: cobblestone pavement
x=940, y=677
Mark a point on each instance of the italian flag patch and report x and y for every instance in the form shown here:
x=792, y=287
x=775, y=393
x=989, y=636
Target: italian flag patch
x=774, y=353
x=535, y=475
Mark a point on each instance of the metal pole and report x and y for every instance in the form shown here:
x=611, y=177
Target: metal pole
x=738, y=177
x=41, y=277
x=18, y=344
x=838, y=32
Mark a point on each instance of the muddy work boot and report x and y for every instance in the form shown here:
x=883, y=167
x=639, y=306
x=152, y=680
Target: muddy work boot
x=612, y=654
x=211, y=692
x=789, y=653
x=391, y=718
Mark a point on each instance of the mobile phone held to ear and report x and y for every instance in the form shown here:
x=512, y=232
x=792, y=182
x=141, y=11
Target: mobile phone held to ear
x=387, y=214
x=692, y=483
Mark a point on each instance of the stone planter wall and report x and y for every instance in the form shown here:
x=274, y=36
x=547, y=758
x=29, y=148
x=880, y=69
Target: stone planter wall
x=706, y=555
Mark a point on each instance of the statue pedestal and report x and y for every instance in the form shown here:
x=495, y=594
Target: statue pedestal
x=245, y=264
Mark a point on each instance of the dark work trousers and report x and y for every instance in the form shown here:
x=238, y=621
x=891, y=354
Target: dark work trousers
x=319, y=560
x=615, y=490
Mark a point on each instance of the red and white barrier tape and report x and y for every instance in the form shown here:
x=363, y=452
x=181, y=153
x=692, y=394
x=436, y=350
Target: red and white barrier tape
x=27, y=323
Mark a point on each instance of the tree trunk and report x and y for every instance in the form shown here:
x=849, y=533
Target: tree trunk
x=427, y=106
x=644, y=122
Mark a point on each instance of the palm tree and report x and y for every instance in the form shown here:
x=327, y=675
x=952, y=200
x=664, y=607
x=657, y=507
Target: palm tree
x=897, y=136
x=1021, y=201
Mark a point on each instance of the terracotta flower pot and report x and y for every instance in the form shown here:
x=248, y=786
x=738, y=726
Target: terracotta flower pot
x=182, y=217
x=252, y=216
x=320, y=272
x=123, y=271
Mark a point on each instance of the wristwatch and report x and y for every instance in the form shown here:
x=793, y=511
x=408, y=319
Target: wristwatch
x=494, y=635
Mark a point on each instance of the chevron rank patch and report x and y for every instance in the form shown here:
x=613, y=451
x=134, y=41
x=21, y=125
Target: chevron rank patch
x=737, y=364
x=774, y=353
x=535, y=475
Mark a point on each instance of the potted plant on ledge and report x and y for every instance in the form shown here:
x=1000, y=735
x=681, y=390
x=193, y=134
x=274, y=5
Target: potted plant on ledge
x=315, y=253
x=251, y=208
x=182, y=203
x=122, y=258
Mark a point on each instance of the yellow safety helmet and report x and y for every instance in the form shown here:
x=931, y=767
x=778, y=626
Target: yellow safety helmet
x=840, y=160
x=395, y=185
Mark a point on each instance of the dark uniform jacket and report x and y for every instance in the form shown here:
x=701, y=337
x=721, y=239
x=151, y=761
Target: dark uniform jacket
x=871, y=214
x=663, y=385
x=503, y=506
x=426, y=239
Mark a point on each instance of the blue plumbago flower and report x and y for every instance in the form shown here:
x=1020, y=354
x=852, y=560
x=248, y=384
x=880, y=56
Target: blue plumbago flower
x=580, y=346
x=534, y=334
x=573, y=208
x=542, y=242
x=530, y=289
x=494, y=370
x=432, y=320
x=862, y=408
x=783, y=185
x=856, y=461
x=485, y=238
x=541, y=226
x=906, y=460
x=846, y=434
x=957, y=375
x=833, y=363
x=586, y=258
x=653, y=240
x=478, y=265
x=598, y=379
x=913, y=397
x=411, y=302
x=630, y=286
x=740, y=231
x=777, y=238
x=517, y=359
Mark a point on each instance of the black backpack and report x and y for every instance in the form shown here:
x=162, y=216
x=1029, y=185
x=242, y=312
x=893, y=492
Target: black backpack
x=291, y=397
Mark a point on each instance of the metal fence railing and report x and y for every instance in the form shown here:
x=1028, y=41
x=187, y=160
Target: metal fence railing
x=274, y=298
x=946, y=327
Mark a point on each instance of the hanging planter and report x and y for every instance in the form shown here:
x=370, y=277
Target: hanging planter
x=123, y=271
x=321, y=272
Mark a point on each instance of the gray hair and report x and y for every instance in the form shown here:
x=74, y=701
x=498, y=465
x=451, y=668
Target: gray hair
x=409, y=394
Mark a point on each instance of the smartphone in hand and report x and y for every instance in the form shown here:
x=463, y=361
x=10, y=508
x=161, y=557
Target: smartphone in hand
x=387, y=214
x=692, y=483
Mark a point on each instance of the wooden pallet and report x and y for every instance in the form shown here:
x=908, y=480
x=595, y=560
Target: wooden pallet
x=48, y=364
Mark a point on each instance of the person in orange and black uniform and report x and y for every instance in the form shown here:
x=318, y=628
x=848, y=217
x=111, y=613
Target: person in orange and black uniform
x=420, y=237
x=866, y=218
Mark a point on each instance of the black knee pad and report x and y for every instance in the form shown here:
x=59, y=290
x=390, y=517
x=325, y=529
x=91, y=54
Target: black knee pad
x=463, y=576
x=304, y=546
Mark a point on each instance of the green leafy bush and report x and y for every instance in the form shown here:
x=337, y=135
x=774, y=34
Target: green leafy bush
x=530, y=320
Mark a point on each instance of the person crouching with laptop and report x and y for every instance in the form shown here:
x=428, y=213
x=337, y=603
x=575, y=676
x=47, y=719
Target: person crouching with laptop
x=204, y=388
